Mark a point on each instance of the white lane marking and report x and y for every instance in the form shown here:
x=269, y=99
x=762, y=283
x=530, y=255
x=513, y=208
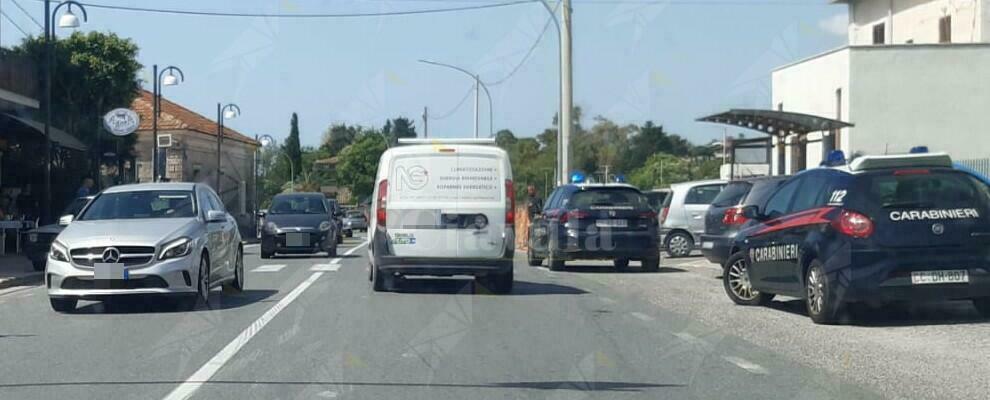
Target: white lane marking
x=687, y=337
x=269, y=268
x=332, y=267
x=746, y=365
x=641, y=316
x=606, y=300
x=206, y=372
x=252, y=245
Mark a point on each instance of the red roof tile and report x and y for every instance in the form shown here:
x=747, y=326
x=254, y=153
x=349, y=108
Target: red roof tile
x=176, y=117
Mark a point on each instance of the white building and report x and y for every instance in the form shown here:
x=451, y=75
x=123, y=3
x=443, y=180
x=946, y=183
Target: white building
x=914, y=73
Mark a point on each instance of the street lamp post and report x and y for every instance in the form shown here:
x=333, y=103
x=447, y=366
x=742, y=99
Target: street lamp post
x=477, y=83
x=564, y=120
x=156, y=104
x=228, y=111
x=68, y=20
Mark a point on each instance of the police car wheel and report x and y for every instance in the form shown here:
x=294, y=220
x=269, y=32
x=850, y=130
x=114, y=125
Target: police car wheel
x=983, y=306
x=679, y=244
x=555, y=263
x=651, y=264
x=620, y=263
x=735, y=280
x=820, y=300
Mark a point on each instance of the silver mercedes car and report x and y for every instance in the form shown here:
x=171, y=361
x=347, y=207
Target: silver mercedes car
x=153, y=239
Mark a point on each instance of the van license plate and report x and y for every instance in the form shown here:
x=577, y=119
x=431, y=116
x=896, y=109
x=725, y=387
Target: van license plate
x=938, y=277
x=611, y=223
x=297, y=239
x=109, y=271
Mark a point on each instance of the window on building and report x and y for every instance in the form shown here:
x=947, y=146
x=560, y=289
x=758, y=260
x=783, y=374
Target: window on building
x=945, y=29
x=879, y=33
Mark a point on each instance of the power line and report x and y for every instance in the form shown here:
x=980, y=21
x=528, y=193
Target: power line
x=457, y=107
x=14, y=23
x=279, y=15
x=528, y=52
x=27, y=13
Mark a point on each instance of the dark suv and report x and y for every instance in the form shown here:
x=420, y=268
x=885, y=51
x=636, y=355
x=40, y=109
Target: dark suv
x=595, y=221
x=724, y=218
x=883, y=228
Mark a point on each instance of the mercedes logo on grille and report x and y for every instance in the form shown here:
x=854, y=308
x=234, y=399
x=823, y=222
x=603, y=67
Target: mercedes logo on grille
x=938, y=229
x=111, y=255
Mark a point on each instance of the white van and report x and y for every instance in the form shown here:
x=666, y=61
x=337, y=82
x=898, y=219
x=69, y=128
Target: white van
x=443, y=208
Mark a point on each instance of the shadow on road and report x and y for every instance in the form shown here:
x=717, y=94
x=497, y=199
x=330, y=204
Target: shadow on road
x=156, y=304
x=608, y=269
x=471, y=287
x=580, y=386
x=896, y=314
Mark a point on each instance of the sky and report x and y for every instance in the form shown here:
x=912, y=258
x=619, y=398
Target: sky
x=669, y=61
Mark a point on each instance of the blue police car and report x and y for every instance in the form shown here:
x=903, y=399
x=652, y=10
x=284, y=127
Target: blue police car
x=882, y=228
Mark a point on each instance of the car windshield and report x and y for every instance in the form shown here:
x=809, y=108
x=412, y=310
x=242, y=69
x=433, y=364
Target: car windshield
x=75, y=206
x=297, y=205
x=141, y=204
x=592, y=198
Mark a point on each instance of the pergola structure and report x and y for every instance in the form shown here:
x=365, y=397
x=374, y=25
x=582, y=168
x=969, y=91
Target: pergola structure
x=782, y=124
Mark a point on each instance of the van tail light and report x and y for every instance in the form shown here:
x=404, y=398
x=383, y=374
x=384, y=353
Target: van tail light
x=734, y=216
x=510, y=203
x=381, y=206
x=853, y=224
x=663, y=214
x=574, y=214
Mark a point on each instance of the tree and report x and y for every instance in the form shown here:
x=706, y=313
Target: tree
x=337, y=137
x=358, y=163
x=505, y=139
x=94, y=72
x=292, y=147
x=398, y=128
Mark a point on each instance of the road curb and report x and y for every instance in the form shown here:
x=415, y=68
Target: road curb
x=23, y=280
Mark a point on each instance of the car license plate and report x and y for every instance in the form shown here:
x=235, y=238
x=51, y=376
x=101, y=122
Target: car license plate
x=297, y=239
x=707, y=245
x=110, y=271
x=611, y=223
x=939, y=277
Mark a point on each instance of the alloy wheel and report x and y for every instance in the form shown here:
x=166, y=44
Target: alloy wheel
x=739, y=281
x=816, y=291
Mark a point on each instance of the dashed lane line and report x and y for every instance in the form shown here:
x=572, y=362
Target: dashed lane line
x=746, y=365
x=640, y=316
x=206, y=372
x=269, y=268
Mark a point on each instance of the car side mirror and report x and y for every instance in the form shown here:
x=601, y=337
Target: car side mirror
x=216, y=216
x=753, y=212
x=65, y=220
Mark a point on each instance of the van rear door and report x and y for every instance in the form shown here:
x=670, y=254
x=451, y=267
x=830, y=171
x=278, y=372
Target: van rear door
x=480, y=184
x=417, y=201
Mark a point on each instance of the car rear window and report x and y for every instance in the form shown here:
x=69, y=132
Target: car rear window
x=625, y=198
x=703, y=194
x=920, y=190
x=761, y=191
x=732, y=194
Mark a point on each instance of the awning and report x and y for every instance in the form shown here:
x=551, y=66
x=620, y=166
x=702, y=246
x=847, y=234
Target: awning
x=776, y=123
x=59, y=136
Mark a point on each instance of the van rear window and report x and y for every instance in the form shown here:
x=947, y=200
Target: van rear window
x=934, y=189
x=624, y=198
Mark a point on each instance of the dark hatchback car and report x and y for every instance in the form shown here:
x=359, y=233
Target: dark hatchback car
x=298, y=223
x=884, y=228
x=37, y=242
x=724, y=218
x=595, y=221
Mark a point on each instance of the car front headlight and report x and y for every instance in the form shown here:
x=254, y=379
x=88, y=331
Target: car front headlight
x=58, y=252
x=325, y=226
x=271, y=227
x=180, y=247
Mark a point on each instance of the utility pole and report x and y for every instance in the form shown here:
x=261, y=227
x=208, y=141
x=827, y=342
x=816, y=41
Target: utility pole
x=46, y=196
x=426, y=122
x=477, y=98
x=219, y=145
x=566, y=92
